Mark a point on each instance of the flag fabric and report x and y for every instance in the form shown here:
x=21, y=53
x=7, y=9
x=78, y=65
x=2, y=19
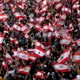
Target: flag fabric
x=3, y=16
x=47, y=54
x=66, y=10
x=25, y=70
x=1, y=38
x=58, y=5
x=32, y=57
x=4, y=65
x=64, y=56
x=8, y=57
x=62, y=16
x=39, y=52
x=77, y=42
x=61, y=67
x=19, y=15
x=40, y=74
x=23, y=55
x=16, y=52
x=76, y=57
x=17, y=27
x=65, y=41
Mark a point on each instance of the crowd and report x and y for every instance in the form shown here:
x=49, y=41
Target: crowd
x=39, y=39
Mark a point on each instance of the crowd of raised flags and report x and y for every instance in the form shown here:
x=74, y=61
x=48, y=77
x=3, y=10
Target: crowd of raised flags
x=40, y=39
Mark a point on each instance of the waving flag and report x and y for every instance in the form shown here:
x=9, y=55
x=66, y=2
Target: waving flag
x=15, y=53
x=8, y=57
x=61, y=67
x=32, y=57
x=77, y=42
x=19, y=15
x=17, y=27
x=66, y=10
x=76, y=57
x=25, y=70
x=3, y=16
x=39, y=52
x=1, y=38
x=58, y=5
x=40, y=74
x=64, y=56
x=23, y=55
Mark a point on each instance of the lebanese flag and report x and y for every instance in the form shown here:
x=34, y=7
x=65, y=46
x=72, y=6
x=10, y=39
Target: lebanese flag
x=25, y=29
x=45, y=27
x=1, y=38
x=17, y=27
x=8, y=57
x=76, y=57
x=58, y=5
x=25, y=70
x=4, y=65
x=19, y=15
x=64, y=56
x=39, y=52
x=3, y=16
x=38, y=27
x=65, y=41
x=66, y=10
x=40, y=74
x=23, y=55
x=32, y=57
x=16, y=52
x=38, y=43
x=61, y=67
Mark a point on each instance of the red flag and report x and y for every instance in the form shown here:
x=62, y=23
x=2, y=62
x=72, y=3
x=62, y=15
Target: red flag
x=76, y=57
x=61, y=67
x=23, y=55
x=8, y=57
x=1, y=38
x=64, y=56
x=24, y=70
x=39, y=52
x=40, y=74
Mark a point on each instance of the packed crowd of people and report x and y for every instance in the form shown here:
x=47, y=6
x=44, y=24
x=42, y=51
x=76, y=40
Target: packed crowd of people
x=39, y=39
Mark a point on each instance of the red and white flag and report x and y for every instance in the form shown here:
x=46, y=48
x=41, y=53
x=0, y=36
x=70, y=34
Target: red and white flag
x=39, y=52
x=19, y=15
x=64, y=56
x=25, y=70
x=66, y=10
x=8, y=57
x=23, y=55
x=16, y=52
x=58, y=5
x=17, y=27
x=32, y=57
x=40, y=74
x=65, y=41
x=75, y=6
x=44, y=7
x=76, y=57
x=3, y=16
x=61, y=67
x=1, y=38
x=4, y=65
